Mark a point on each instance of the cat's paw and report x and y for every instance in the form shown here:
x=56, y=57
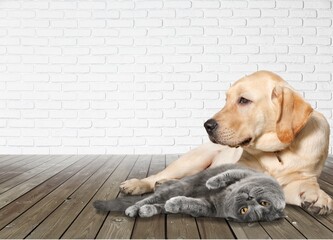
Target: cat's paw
x=132, y=211
x=175, y=204
x=215, y=183
x=147, y=211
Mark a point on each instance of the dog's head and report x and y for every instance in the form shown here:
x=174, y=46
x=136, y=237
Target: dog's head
x=261, y=112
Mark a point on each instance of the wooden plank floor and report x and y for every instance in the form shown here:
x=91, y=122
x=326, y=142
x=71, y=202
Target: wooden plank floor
x=51, y=197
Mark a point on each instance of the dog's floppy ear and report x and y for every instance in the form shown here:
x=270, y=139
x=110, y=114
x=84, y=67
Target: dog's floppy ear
x=292, y=113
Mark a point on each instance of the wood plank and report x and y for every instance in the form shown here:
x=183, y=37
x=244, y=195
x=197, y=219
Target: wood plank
x=153, y=227
x=20, y=205
x=326, y=177
x=4, y=158
x=17, y=162
x=327, y=187
x=306, y=224
x=180, y=225
x=59, y=220
x=40, y=160
x=326, y=220
x=17, y=191
x=248, y=230
x=214, y=228
x=281, y=229
x=47, y=163
x=117, y=225
x=88, y=223
x=21, y=226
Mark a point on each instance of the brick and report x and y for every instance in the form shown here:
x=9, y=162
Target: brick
x=132, y=13
x=10, y=4
x=177, y=4
x=252, y=13
x=91, y=5
x=185, y=13
x=83, y=142
x=147, y=41
x=161, y=32
x=274, y=31
x=289, y=4
x=234, y=4
x=188, y=68
x=261, y=4
x=275, y=12
x=288, y=22
x=138, y=32
x=149, y=4
x=9, y=23
x=47, y=142
x=63, y=5
x=189, y=50
x=164, y=13
x=245, y=49
x=314, y=22
x=232, y=22
x=92, y=23
x=300, y=67
x=317, y=4
x=217, y=12
x=317, y=41
x=160, y=141
x=204, y=22
x=77, y=32
x=290, y=59
x=189, y=31
x=21, y=14
x=176, y=59
x=176, y=22
x=206, y=59
x=120, y=23
x=77, y=14
x=48, y=123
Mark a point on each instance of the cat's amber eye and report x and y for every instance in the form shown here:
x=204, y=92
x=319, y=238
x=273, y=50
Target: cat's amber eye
x=264, y=203
x=244, y=210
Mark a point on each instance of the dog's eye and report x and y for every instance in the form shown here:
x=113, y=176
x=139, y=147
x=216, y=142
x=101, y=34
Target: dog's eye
x=243, y=101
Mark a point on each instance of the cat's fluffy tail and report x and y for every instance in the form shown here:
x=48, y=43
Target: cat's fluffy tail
x=117, y=205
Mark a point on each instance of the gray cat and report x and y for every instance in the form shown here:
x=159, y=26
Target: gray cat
x=229, y=191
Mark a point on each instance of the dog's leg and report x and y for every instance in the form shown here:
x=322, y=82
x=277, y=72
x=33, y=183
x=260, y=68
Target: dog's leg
x=191, y=163
x=308, y=195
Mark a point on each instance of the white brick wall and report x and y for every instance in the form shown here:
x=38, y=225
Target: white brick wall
x=134, y=76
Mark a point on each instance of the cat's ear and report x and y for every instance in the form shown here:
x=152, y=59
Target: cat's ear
x=292, y=113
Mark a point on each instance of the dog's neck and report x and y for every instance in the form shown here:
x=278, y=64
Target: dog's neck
x=268, y=142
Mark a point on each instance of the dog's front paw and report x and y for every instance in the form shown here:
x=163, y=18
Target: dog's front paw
x=317, y=202
x=215, y=183
x=132, y=211
x=175, y=204
x=135, y=187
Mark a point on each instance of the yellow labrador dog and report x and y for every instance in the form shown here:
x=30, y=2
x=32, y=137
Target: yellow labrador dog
x=267, y=126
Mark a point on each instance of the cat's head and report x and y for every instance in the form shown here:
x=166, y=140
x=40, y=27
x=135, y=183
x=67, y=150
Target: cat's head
x=258, y=199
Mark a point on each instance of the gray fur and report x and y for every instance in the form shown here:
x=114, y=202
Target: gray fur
x=218, y=192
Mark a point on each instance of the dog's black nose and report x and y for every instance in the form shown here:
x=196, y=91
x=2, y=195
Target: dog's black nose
x=210, y=125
